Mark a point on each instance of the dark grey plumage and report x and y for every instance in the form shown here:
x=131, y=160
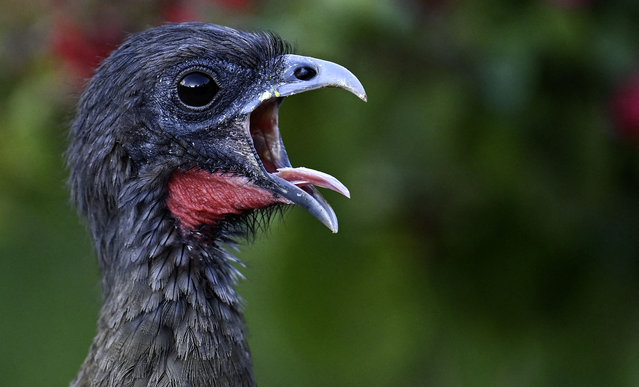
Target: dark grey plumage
x=170, y=314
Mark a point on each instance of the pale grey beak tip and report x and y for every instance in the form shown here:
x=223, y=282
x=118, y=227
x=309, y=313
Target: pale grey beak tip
x=303, y=73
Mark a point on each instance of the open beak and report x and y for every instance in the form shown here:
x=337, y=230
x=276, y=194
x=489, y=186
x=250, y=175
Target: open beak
x=298, y=185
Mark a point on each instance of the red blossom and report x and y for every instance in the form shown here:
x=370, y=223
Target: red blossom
x=625, y=109
x=83, y=50
x=82, y=38
x=178, y=11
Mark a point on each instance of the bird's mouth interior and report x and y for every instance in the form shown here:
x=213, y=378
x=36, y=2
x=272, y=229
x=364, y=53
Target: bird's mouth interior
x=265, y=133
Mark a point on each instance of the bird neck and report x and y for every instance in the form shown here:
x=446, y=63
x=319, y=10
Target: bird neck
x=170, y=314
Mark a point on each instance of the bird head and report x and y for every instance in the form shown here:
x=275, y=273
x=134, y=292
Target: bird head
x=186, y=115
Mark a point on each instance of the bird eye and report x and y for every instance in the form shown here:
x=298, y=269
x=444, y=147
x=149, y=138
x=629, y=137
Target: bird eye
x=197, y=89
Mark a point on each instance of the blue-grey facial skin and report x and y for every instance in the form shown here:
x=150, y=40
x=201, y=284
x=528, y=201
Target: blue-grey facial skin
x=170, y=314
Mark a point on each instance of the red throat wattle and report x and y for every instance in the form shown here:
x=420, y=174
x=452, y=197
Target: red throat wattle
x=197, y=197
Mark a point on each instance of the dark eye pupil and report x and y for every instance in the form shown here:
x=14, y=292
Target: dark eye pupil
x=197, y=89
x=305, y=73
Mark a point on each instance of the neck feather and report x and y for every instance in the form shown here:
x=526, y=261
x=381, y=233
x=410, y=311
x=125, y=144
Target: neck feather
x=170, y=314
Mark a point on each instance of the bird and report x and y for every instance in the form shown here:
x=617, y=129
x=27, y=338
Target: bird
x=175, y=156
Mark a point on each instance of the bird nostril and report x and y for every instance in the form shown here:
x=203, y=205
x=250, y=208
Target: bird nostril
x=305, y=73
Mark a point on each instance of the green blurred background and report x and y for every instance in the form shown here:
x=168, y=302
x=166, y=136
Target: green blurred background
x=492, y=238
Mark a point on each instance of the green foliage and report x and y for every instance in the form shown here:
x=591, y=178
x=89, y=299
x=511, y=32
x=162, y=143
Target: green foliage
x=492, y=234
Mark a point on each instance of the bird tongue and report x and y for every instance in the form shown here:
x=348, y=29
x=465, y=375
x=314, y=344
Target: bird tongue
x=303, y=177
